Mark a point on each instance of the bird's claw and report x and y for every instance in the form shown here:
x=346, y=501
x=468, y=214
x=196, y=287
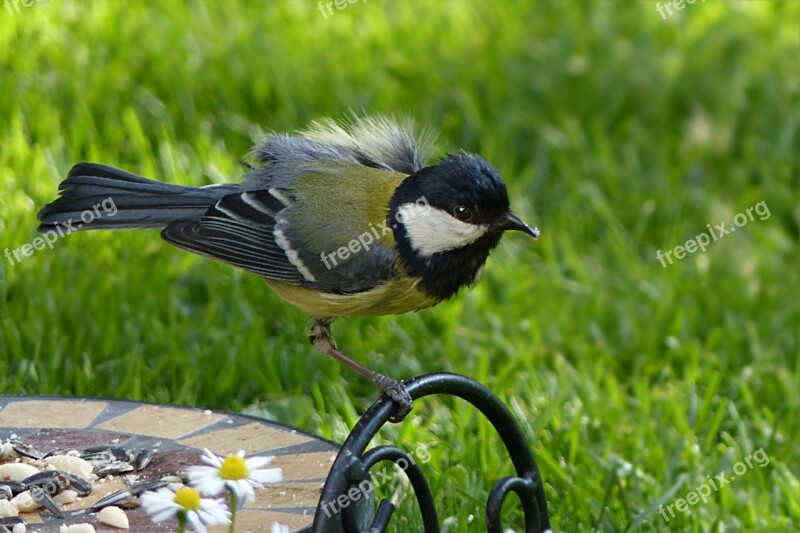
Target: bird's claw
x=399, y=394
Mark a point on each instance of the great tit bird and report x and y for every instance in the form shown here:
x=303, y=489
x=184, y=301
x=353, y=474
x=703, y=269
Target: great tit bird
x=340, y=220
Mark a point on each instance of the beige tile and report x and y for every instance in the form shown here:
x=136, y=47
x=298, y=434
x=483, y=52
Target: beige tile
x=250, y=521
x=164, y=422
x=287, y=495
x=99, y=491
x=305, y=465
x=252, y=438
x=50, y=413
x=31, y=518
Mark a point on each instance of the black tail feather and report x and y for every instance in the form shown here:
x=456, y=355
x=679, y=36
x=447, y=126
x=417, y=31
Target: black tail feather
x=115, y=199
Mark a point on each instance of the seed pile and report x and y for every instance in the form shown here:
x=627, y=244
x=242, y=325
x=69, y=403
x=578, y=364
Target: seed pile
x=34, y=480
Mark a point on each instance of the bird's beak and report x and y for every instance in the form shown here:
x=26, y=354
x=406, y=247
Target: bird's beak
x=510, y=221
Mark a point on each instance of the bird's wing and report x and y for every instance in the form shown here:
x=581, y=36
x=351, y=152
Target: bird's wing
x=300, y=236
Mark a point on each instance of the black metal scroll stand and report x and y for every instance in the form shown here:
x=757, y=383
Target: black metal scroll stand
x=352, y=466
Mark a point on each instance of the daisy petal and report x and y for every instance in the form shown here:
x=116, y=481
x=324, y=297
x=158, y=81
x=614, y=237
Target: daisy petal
x=255, y=463
x=270, y=475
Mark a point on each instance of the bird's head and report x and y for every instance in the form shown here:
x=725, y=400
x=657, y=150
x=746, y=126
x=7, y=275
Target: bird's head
x=448, y=217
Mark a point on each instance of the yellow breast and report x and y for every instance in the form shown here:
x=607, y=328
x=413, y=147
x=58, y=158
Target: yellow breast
x=394, y=297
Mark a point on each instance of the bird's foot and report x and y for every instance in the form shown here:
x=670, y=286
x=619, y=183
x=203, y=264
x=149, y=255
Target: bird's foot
x=320, y=336
x=397, y=391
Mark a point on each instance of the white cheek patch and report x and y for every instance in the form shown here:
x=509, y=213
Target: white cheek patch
x=433, y=230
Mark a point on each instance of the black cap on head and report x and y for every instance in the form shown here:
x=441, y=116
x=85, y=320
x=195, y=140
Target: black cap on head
x=447, y=255
x=464, y=185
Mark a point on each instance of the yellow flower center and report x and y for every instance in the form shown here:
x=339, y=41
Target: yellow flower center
x=233, y=467
x=188, y=498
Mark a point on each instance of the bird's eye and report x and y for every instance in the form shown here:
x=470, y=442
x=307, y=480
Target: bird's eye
x=462, y=213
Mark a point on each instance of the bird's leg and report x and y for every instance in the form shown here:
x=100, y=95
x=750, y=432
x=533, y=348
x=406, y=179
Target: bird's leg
x=322, y=340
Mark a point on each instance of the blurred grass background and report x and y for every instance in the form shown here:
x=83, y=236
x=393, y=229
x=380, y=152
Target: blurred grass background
x=619, y=133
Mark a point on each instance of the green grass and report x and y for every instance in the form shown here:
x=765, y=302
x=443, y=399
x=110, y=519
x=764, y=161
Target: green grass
x=618, y=133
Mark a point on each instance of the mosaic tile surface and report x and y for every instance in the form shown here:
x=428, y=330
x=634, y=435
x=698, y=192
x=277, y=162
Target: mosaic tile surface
x=179, y=436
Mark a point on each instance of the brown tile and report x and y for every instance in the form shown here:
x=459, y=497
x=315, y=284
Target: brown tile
x=252, y=438
x=164, y=422
x=169, y=463
x=47, y=439
x=50, y=413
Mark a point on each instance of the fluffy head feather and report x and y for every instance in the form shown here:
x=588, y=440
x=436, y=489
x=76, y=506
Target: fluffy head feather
x=378, y=142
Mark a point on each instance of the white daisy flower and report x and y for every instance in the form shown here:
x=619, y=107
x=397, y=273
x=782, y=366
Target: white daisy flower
x=186, y=506
x=237, y=474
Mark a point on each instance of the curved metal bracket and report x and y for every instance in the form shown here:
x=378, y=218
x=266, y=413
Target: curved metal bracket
x=351, y=468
